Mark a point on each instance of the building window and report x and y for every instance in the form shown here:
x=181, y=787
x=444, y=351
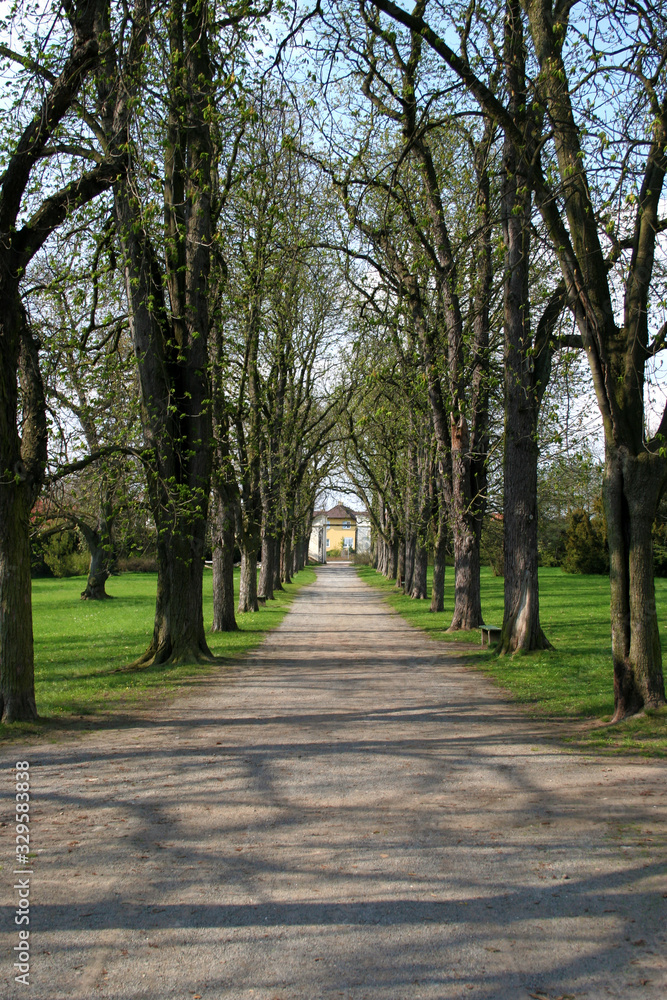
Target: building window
x=348, y=543
x=328, y=542
x=346, y=524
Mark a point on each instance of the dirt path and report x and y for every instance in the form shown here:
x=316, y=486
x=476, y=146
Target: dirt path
x=347, y=813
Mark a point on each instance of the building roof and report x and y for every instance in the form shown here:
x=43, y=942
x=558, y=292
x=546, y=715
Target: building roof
x=340, y=510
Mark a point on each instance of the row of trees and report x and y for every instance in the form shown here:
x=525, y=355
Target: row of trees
x=159, y=224
x=469, y=214
x=521, y=173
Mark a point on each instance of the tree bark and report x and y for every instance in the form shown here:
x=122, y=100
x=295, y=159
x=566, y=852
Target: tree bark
x=266, y=572
x=631, y=491
x=17, y=675
x=277, y=549
x=286, y=555
x=248, y=585
x=467, y=586
x=400, y=566
x=521, y=628
x=418, y=589
x=392, y=557
x=438, y=588
x=381, y=549
x=178, y=631
x=102, y=553
x=410, y=546
x=296, y=553
x=22, y=462
x=98, y=572
x=224, y=619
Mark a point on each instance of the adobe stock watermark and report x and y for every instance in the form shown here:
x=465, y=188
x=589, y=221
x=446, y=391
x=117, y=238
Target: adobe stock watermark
x=22, y=868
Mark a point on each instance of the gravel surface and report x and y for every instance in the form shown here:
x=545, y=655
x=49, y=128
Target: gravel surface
x=348, y=812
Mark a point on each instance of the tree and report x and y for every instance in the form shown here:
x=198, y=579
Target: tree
x=168, y=301
x=618, y=348
x=89, y=374
x=47, y=116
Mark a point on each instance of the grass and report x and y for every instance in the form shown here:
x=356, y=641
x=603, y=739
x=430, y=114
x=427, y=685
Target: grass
x=83, y=648
x=575, y=681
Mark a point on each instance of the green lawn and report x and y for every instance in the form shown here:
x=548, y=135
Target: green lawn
x=82, y=648
x=575, y=681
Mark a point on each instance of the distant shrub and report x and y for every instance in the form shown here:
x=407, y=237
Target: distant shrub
x=38, y=564
x=585, y=544
x=333, y=553
x=138, y=564
x=551, y=541
x=492, y=545
x=65, y=554
x=362, y=559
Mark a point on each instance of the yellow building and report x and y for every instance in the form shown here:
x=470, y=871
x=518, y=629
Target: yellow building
x=341, y=529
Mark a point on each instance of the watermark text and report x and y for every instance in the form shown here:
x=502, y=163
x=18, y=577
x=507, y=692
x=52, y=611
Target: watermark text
x=23, y=869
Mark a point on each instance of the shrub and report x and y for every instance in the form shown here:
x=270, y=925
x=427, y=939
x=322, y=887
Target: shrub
x=362, y=559
x=585, y=544
x=38, y=565
x=138, y=564
x=551, y=541
x=65, y=554
x=492, y=544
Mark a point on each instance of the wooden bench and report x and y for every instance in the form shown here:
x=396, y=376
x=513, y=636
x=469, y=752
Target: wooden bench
x=490, y=633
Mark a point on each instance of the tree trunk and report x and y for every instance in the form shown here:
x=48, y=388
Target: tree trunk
x=224, y=619
x=248, y=586
x=467, y=585
x=380, y=549
x=400, y=567
x=98, y=573
x=392, y=557
x=102, y=555
x=410, y=546
x=438, y=589
x=418, y=589
x=277, y=549
x=266, y=571
x=521, y=628
x=286, y=556
x=178, y=632
x=22, y=461
x=17, y=683
x=521, y=621
x=295, y=554
x=632, y=488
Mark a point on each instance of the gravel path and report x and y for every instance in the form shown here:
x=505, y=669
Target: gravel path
x=346, y=813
